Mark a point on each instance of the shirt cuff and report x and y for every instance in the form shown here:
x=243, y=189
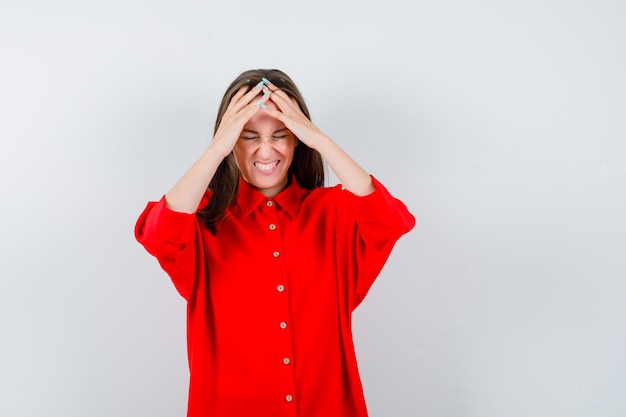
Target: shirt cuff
x=160, y=224
x=380, y=205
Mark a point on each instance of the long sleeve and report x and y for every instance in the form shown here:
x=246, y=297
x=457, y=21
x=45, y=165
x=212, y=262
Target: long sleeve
x=171, y=237
x=368, y=228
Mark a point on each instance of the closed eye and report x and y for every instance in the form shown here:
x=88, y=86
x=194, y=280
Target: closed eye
x=279, y=137
x=249, y=137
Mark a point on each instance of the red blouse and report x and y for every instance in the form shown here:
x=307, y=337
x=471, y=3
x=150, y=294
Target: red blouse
x=270, y=296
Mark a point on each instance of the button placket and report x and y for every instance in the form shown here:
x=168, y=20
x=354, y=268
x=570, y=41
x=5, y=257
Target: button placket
x=284, y=359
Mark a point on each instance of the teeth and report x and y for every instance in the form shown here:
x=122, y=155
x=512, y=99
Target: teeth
x=266, y=167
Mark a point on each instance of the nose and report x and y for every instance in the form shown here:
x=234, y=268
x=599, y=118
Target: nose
x=265, y=145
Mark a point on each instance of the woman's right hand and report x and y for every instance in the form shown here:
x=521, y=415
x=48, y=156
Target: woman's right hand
x=186, y=194
x=239, y=111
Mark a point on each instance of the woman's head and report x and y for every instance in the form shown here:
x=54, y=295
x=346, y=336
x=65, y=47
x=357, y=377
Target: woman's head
x=305, y=164
x=264, y=152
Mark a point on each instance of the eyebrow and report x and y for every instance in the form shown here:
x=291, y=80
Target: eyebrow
x=255, y=132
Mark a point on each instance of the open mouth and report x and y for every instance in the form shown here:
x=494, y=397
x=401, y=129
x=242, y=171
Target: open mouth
x=266, y=168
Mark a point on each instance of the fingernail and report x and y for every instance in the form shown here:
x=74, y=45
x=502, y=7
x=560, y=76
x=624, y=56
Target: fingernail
x=258, y=103
x=265, y=80
x=247, y=81
x=266, y=95
x=259, y=85
x=263, y=106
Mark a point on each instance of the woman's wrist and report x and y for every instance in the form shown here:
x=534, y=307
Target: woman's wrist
x=320, y=142
x=216, y=150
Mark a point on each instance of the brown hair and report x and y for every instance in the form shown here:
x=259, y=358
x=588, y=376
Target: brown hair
x=307, y=166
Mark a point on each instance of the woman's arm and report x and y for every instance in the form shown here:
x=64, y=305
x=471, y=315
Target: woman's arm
x=354, y=178
x=185, y=196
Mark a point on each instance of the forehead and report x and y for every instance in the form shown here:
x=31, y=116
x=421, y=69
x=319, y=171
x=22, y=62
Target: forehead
x=262, y=121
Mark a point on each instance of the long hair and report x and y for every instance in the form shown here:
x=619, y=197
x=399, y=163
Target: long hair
x=307, y=165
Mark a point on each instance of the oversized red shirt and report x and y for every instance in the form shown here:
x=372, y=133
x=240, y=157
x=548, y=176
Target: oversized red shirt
x=271, y=295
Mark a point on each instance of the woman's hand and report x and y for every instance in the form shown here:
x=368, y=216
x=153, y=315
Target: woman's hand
x=354, y=178
x=292, y=117
x=239, y=111
x=186, y=194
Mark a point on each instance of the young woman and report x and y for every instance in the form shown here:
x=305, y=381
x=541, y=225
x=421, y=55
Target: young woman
x=271, y=263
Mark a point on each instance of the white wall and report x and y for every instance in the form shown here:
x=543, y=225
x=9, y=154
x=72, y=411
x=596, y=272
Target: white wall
x=500, y=124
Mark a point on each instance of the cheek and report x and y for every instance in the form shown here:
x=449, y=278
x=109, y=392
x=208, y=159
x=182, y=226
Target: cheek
x=239, y=153
x=241, y=148
x=288, y=148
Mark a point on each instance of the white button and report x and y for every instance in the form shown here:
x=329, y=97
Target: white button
x=280, y=288
x=269, y=203
x=283, y=325
x=286, y=361
x=288, y=398
x=272, y=226
x=276, y=254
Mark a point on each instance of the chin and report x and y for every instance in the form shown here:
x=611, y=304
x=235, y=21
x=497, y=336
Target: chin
x=266, y=183
x=263, y=183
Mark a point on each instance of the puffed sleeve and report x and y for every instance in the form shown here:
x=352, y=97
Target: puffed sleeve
x=368, y=228
x=174, y=239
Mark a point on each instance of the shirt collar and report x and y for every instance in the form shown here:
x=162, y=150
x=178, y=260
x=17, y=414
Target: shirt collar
x=288, y=199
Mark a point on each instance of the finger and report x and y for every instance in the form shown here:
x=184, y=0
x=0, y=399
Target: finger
x=236, y=97
x=277, y=114
x=244, y=98
x=286, y=104
x=249, y=110
x=274, y=89
x=268, y=84
x=250, y=95
x=278, y=96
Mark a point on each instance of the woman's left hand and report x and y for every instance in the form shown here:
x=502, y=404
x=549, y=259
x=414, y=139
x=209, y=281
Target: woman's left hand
x=292, y=117
x=354, y=178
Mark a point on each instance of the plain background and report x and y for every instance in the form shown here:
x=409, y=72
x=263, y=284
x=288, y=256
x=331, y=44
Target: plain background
x=500, y=124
